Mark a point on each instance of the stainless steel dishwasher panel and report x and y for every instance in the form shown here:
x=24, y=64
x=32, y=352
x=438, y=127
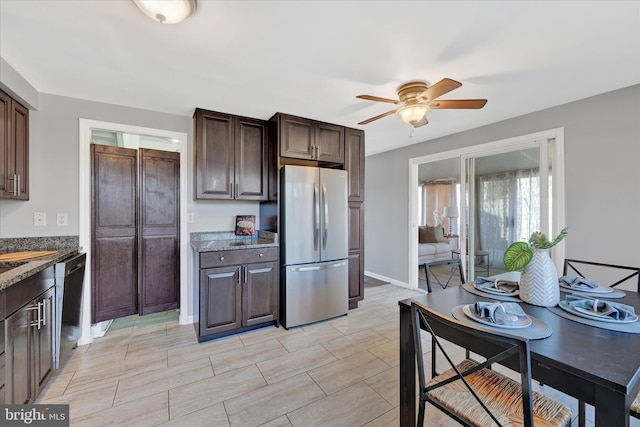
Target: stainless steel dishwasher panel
x=69, y=277
x=315, y=292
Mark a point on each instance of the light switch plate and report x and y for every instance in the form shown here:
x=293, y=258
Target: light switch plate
x=39, y=219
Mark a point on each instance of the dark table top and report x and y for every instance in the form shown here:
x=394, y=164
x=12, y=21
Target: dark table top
x=604, y=357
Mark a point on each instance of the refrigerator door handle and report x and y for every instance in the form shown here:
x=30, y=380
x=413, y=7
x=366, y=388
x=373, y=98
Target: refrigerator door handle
x=318, y=267
x=316, y=217
x=325, y=227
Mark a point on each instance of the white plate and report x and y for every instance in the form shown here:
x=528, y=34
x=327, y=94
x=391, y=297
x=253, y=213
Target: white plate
x=493, y=291
x=599, y=290
x=586, y=314
x=522, y=322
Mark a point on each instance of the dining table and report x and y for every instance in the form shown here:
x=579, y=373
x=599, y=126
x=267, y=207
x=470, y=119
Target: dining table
x=597, y=366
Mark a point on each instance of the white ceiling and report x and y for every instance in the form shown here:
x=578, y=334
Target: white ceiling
x=311, y=58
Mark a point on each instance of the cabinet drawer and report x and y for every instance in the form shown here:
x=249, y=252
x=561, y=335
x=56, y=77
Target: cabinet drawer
x=239, y=256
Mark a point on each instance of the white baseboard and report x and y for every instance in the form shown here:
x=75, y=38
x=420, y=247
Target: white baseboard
x=387, y=279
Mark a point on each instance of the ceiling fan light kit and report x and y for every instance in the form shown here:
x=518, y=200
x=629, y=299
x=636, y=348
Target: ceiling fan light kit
x=412, y=114
x=416, y=98
x=167, y=11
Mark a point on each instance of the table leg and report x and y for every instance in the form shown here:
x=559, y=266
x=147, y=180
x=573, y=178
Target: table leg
x=611, y=409
x=407, y=370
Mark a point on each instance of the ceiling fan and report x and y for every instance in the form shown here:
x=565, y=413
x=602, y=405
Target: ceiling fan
x=416, y=98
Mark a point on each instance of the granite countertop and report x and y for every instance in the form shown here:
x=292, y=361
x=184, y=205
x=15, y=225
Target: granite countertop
x=227, y=240
x=64, y=247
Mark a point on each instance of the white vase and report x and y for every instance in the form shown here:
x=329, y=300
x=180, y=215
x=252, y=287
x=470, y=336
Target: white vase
x=539, y=281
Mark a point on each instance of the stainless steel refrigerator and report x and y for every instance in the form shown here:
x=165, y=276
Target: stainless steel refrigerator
x=314, y=246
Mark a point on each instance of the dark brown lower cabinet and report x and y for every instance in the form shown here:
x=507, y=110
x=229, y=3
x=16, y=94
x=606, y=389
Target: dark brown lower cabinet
x=238, y=291
x=29, y=349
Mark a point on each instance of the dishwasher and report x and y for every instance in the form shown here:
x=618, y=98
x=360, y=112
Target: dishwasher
x=69, y=280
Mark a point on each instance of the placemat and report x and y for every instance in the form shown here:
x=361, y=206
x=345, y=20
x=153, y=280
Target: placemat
x=470, y=288
x=617, y=293
x=536, y=331
x=632, y=328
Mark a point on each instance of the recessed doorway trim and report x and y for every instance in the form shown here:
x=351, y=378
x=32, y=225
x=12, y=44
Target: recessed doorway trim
x=494, y=147
x=84, y=167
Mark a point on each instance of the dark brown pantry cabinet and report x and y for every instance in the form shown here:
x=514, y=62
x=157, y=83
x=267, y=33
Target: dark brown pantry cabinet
x=231, y=156
x=354, y=164
x=238, y=291
x=14, y=147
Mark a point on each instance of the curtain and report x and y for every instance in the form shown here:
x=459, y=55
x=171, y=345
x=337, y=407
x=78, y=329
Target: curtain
x=508, y=210
x=435, y=196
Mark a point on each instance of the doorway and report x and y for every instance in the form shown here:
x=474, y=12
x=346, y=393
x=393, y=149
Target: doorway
x=180, y=139
x=548, y=149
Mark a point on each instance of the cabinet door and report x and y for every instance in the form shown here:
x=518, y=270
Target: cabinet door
x=20, y=137
x=329, y=143
x=297, y=137
x=18, y=365
x=356, y=253
x=354, y=163
x=250, y=159
x=214, y=155
x=14, y=146
x=42, y=350
x=220, y=299
x=260, y=293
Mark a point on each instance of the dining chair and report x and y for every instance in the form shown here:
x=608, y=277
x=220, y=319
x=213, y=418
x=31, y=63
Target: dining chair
x=615, y=275
x=456, y=266
x=471, y=392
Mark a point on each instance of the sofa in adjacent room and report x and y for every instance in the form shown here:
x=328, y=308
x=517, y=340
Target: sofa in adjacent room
x=432, y=245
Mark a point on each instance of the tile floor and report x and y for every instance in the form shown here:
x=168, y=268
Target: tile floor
x=149, y=371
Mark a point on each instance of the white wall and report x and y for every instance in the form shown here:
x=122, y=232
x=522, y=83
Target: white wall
x=53, y=161
x=602, y=173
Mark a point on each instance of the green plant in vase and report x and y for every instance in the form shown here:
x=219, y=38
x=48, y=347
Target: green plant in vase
x=539, y=279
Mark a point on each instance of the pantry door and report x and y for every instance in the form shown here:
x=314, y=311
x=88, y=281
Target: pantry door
x=114, y=236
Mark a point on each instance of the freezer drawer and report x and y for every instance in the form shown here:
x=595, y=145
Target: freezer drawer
x=315, y=292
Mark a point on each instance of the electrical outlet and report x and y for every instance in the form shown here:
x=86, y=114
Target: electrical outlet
x=61, y=220
x=190, y=218
x=39, y=219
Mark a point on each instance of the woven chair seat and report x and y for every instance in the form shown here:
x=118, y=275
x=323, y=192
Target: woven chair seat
x=502, y=395
x=635, y=406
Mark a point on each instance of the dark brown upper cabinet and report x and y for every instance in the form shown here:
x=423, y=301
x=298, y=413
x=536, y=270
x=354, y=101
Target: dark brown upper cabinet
x=231, y=157
x=306, y=139
x=354, y=163
x=14, y=145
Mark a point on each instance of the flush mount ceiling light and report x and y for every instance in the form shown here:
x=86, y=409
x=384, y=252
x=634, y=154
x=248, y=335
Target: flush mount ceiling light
x=412, y=114
x=167, y=11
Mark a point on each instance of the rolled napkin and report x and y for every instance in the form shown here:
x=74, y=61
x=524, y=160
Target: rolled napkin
x=497, y=285
x=500, y=313
x=578, y=283
x=600, y=308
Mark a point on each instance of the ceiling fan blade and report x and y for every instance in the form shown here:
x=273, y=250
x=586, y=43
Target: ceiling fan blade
x=388, y=113
x=458, y=103
x=439, y=89
x=378, y=99
x=422, y=122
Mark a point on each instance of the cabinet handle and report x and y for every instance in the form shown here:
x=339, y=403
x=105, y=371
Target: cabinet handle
x=246, y=275
x=221, y=258
x=237, y=191
x=239, y=275
x=34, y=308
x=15, y=184
x=260, y=255
x=44, y=314
x=18, y=187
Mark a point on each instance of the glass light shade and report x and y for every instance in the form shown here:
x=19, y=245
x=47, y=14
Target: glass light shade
x=411, y=114
x=450, y=212
x=167, y=11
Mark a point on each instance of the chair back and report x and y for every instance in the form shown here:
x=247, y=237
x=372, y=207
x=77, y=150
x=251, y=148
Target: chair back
x=431, y=277
x=496, y=346
x=606, y=274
